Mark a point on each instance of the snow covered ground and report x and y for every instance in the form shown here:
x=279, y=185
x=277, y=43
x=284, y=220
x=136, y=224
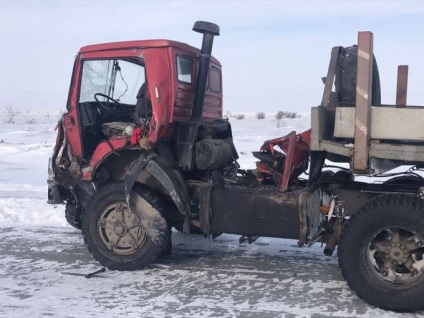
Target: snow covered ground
x=44, y=260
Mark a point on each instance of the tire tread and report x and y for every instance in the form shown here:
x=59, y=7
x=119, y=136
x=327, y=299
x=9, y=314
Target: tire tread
x=406, y=300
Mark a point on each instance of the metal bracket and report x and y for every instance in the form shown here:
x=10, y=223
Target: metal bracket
x=363, y=102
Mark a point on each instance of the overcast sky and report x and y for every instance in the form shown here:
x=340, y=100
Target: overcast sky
x=273, y=53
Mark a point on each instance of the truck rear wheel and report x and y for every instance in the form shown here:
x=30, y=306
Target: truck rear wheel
x=381, y=253
x=116, y=236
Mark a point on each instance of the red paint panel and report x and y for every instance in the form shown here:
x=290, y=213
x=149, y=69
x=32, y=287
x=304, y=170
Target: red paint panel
x=160, y=90
x=165, y=92
x=296, y=150
x=183, y=103
x=72, y=133
x=136, y=44
x=143, y=44
x=213, y=105
x=103, y=150
x=288, y=162
x=71, y=120
x=183, y=92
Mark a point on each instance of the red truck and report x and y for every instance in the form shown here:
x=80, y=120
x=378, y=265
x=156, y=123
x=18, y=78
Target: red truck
x=143, y=148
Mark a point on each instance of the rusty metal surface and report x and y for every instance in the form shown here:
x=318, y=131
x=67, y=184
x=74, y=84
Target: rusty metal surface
x=250, y=211
x=203, y=190
x=329, y=80
x=288, y=162
x=363, y=102
x=405, y=153
x=402, y=86
x=336, y=148
x=316, y=128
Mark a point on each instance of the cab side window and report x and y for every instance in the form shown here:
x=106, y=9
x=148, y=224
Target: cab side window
x=184, y=69
x=215, y=80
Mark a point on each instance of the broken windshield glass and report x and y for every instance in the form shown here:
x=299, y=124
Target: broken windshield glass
x=118, y=79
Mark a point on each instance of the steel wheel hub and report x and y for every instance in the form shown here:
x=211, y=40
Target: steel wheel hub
x=396, y=256
x=120, y=230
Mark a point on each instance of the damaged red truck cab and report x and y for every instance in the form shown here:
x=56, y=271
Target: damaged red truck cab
x=167, y=68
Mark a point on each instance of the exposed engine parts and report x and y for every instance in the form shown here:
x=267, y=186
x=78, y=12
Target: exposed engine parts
x=212, y=154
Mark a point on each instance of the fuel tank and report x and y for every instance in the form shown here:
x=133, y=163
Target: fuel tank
x=255, y=211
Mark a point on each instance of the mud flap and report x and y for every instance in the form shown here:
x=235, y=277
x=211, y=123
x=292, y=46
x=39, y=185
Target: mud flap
x=53, y=194
x=133, y=172
x=150, y=218
x=158, y=169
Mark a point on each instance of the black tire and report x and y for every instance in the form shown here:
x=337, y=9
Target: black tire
x=406, y=180
x=347, y=79
x=73, y=215
x=134, y=248
x=342, y=175
x=357, y=249
x=326, y=175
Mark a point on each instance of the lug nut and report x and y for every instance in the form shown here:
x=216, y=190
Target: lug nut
x=384, y=273
x=372, y=247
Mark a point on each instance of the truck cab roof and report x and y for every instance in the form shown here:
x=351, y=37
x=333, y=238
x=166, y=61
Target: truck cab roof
x=141, y=44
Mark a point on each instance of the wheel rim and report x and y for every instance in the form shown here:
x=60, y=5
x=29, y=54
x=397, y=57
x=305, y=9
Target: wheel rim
x=396, y=256
x=120, y=230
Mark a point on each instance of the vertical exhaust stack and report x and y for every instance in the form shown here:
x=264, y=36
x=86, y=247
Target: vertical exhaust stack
x=209, y=30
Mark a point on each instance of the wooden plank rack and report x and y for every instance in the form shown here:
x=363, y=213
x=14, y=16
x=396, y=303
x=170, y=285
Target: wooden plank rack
x=372, y=138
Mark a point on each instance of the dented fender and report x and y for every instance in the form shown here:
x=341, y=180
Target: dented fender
x=157, y=167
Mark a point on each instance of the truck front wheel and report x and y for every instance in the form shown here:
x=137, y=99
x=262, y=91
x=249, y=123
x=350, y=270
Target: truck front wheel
x=116, y=236
x=381, y=253
x=73, y=215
